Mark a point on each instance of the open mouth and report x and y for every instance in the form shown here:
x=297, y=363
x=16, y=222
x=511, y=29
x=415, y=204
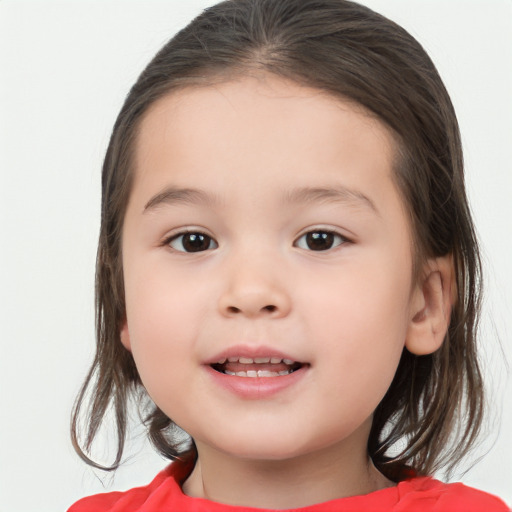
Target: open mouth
x=257, y=367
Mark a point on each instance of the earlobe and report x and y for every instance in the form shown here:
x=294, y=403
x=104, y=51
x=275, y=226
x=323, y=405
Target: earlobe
x=124, y=335
x=431, y=306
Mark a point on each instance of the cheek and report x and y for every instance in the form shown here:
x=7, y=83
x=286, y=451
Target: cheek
x=360, y=323
x=164, y=316
x=160, y=300
x=360, y=302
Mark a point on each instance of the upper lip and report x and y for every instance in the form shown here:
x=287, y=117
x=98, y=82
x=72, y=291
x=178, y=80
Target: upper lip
x=249, y=351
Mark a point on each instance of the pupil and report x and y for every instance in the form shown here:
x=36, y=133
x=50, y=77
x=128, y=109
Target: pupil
x=319, y=240
x=195, y=242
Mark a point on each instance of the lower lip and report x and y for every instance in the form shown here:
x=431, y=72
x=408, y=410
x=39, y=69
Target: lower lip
x=256, y=388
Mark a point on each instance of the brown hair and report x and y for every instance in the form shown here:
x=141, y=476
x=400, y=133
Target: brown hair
x=434, y=404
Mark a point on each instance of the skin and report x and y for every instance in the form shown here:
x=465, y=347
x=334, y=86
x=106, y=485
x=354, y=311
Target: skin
x=347, y=311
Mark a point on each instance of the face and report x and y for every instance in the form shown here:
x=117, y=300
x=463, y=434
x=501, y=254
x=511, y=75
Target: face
x=267, y=263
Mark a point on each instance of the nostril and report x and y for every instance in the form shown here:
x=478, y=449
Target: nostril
x=233, y=309
x=270, y=308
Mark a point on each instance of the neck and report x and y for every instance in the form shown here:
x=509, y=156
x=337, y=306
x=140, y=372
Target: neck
x=292, y=483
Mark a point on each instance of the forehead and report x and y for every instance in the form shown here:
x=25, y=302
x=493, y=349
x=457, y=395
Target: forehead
x=263, y=130
x=267, y=94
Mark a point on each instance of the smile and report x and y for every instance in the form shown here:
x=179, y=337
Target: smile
x=257, y=367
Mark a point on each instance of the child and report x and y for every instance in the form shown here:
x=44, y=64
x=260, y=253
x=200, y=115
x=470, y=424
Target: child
x=287, y=269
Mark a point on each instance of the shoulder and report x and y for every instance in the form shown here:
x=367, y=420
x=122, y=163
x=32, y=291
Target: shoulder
x=419, y=494
x=133, y=499
x=427, y=494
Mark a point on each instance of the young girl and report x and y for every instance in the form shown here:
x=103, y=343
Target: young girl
x=287, y=270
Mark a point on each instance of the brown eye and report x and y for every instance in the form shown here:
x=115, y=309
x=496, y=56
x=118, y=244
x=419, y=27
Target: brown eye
x=319, y=240
x=192, y=242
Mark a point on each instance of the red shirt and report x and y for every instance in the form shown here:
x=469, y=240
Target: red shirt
x=418, y=494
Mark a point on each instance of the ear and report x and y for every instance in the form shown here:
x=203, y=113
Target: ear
x=124, y=335
x=431, y=305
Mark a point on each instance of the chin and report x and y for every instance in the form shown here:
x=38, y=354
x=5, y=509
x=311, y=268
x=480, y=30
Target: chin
x=260, y=449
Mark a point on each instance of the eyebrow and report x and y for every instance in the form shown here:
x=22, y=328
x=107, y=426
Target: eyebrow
x=174, y=195
x=338, y=194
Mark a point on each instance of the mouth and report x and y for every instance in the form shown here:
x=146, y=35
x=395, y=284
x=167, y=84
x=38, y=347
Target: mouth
x=257, y=367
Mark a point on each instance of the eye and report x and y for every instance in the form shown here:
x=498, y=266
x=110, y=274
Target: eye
x=192, y=242
x=320, y=240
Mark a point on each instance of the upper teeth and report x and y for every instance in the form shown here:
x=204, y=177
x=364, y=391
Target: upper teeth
x=257, y=360
x=259, y=373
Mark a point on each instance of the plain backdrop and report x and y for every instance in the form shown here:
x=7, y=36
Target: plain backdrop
x=65, y=68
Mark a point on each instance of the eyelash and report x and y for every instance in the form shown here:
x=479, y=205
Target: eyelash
x=332, y=238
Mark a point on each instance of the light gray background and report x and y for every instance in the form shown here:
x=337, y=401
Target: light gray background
x=65, y=68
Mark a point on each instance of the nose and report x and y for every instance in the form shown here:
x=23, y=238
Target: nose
x=254, y=289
